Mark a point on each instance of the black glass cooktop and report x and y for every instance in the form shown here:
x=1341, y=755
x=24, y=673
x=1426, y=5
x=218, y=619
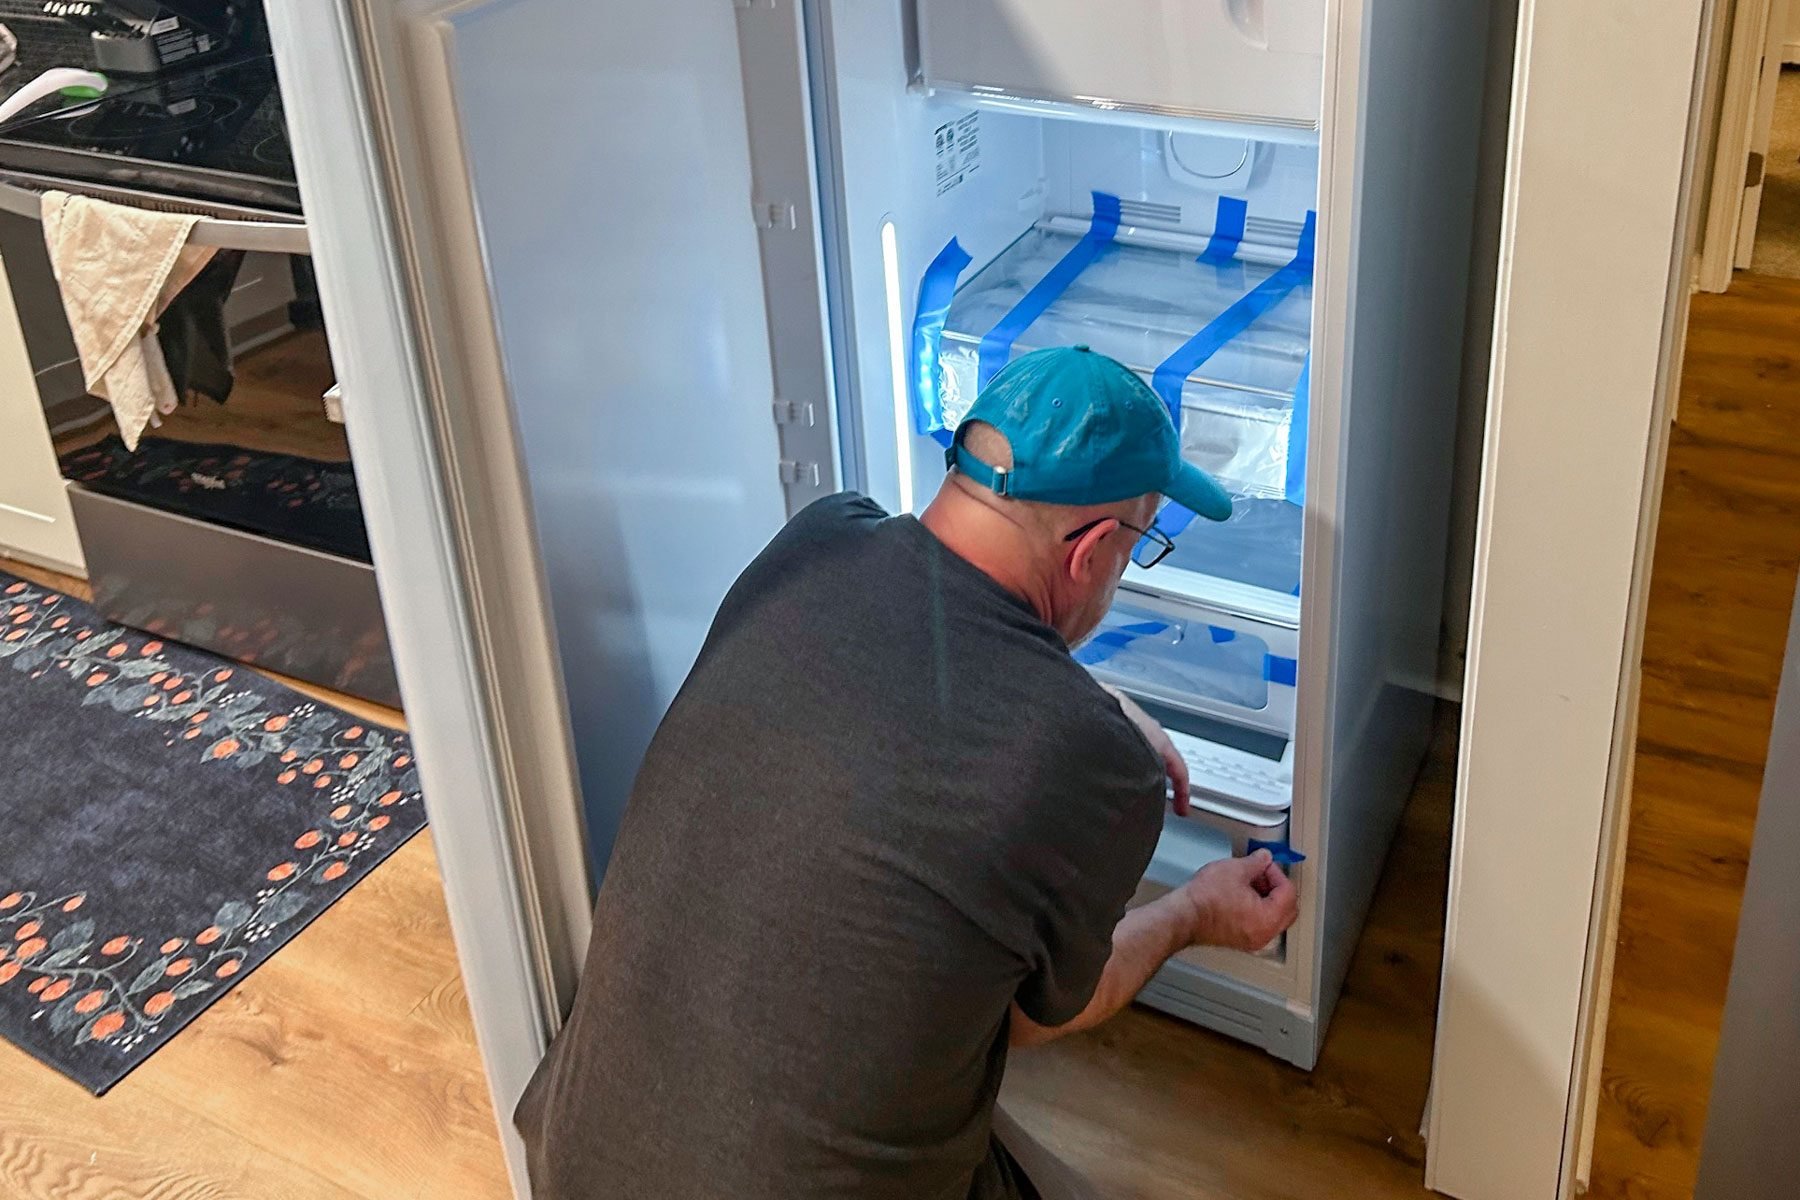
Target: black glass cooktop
x=214, y=132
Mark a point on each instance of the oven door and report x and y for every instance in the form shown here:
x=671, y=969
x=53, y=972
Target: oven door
x=235, y=523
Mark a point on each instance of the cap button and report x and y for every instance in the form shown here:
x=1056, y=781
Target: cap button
x=1080, y=346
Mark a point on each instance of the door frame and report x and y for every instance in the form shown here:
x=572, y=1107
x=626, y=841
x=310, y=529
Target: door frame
x=1762, y=118
x=1576, y=439
x=389, y=203
x=1741, y=32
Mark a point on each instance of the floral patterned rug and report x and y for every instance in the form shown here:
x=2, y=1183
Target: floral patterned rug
x=172, y=819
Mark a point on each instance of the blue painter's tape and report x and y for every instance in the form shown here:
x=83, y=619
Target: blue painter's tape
x=996, y=347
x=1220, y=634
x=1283, y=854
x=1109, y=642
x=1284, y=671
x=1228, y=231
x=1297, y=432
x=1169, y=377
x=937, y=287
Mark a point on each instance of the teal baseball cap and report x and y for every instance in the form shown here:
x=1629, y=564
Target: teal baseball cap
x=1084, y=430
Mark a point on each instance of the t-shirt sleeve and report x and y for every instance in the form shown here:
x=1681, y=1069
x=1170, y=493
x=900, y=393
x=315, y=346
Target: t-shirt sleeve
x=1103, y=821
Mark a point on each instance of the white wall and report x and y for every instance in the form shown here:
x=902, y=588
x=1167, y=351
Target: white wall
x=35, y=521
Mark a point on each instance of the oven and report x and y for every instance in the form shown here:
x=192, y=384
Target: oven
x=236, y=523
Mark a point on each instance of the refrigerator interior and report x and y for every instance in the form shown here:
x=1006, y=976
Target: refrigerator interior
x=1180, y=250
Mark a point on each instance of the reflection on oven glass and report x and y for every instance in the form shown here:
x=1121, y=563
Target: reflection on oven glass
x=266, y=461
x=276, y=406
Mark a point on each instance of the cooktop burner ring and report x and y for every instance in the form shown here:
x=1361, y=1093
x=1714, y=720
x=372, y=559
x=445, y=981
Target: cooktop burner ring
x=132, y=119
x=274, y=150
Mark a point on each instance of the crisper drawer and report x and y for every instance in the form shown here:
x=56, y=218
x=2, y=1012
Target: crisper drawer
x=1149, y=306
x=1204, y=835
x=1198, y=660
x=1258, y=61
x=1187, y=844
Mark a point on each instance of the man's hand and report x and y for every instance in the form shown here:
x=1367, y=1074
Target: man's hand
x=1159, y=742
x=1240, y=903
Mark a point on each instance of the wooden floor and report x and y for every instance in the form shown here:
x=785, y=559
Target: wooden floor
x=345, y=1066
x=1727, y=552
x=1151, y=1108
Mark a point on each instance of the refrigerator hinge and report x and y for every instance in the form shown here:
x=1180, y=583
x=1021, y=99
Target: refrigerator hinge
x=776, y=215
x=795, y=471
x=794, y=412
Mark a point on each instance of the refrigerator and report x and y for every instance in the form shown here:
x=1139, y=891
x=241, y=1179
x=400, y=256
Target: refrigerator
x=696, y=264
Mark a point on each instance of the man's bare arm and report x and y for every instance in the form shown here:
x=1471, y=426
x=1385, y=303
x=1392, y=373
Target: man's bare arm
x=1241, y=903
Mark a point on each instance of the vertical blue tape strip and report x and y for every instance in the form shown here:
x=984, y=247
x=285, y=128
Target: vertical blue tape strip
x=1297, y=432
x=936, y=289
x=1228, y=231
x=1284, y=671
x=1171, y=375
x=996, y=347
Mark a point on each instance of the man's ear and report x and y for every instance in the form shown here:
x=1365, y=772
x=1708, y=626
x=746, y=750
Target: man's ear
x=1080, y=562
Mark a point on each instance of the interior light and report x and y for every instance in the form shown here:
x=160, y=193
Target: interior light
x=903, y=435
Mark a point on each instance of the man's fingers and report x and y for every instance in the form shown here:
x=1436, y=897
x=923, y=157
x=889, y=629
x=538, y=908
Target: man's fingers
x=1283, y=897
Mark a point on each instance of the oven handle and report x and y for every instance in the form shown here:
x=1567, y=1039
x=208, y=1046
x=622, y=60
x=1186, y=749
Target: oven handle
x=270, y=236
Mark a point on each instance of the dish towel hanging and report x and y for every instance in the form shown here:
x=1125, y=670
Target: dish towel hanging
x=119, y=268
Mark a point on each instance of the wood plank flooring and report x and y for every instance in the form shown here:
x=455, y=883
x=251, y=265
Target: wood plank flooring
x=1727, y=552
x=343, y=1067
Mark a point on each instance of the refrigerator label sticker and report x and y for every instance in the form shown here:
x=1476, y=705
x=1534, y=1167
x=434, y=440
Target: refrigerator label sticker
x=957, y=145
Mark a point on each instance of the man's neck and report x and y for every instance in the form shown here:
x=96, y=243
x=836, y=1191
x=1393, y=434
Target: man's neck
x=994, y=545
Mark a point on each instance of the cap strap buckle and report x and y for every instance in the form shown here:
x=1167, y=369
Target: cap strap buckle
x=996, y=479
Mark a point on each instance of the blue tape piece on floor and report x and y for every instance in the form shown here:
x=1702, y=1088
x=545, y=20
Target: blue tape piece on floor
x=937, y=287
x=1104, y=645
x=996, y=347
x=1297, y=432
x=1283, y=854
x=1285, y=671
x=1169, y=377
x=1228, y=231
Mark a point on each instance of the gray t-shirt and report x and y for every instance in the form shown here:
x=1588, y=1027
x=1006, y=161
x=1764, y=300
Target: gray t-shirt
x=885, y=804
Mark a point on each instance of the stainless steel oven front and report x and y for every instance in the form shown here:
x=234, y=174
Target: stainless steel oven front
x=236, y=523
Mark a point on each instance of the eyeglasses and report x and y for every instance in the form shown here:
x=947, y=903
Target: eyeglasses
x=1153, y=544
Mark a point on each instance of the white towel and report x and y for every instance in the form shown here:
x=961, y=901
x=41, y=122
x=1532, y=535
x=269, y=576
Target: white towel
x=119, y=268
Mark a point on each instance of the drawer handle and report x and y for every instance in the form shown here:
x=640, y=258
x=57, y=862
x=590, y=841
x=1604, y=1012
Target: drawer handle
x=1247, y=18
